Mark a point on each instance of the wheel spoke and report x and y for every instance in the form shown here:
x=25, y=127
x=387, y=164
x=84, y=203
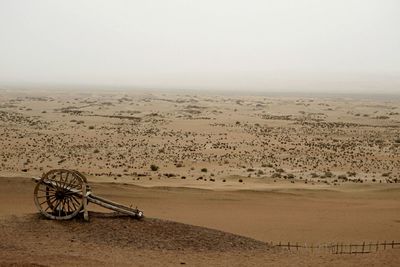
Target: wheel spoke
x=64, y=181
x=42, y=202
x=48, y=196
x=77, y=202
x=73, y=203
x=51, y=204
x=47, y=189
x=71, y=183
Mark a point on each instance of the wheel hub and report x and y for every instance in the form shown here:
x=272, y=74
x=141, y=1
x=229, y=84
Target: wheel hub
x=60, y=195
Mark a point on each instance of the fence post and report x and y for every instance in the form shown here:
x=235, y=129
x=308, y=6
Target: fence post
x=297, y=246
x=392, y=243
x=384, y=245
x=363, y=247
x=288, y=244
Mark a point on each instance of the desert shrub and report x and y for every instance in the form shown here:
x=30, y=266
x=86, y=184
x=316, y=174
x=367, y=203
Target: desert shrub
x=290, y=176
x=204, y=170
x=240, y=181
x=279, y=170
x=96, y=151
x=314, y=175
x=91, y=127
x=397, y=141
x=276, y=175
x=223, y=180
x=178, y=165
x=385, y=174
x=154, y=167
x=250, y=170
x=382, y=117
x=352, y=174
x=260, y=172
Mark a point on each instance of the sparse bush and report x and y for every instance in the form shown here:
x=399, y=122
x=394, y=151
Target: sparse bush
x=96, y=151
x=352, y=174
x=204, y=170
x=154, y=167
x=276, y=175
x=91, y=127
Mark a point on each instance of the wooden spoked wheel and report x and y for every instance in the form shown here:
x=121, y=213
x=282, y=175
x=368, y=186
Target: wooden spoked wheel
x=60, y=193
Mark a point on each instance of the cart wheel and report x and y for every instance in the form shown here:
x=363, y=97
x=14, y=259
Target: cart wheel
x=59, y=194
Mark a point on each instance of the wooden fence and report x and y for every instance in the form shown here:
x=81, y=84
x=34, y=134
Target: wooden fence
x=341, y=248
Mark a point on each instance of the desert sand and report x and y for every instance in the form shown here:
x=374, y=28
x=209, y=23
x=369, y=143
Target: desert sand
x=257, y=169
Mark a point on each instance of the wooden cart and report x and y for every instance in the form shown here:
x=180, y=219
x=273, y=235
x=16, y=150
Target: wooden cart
x=63, y=194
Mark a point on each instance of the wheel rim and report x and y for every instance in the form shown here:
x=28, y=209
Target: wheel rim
x=59, y=194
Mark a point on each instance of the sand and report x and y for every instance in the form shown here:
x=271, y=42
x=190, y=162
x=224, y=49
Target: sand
x=311, y=170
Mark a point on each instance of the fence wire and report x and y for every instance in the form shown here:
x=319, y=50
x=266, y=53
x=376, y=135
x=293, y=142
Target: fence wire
x=340, y=247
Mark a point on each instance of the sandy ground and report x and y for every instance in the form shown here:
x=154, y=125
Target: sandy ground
x=299, y=216
x=312, y=170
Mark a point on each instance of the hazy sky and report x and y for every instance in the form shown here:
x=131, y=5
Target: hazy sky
x=293, y=45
